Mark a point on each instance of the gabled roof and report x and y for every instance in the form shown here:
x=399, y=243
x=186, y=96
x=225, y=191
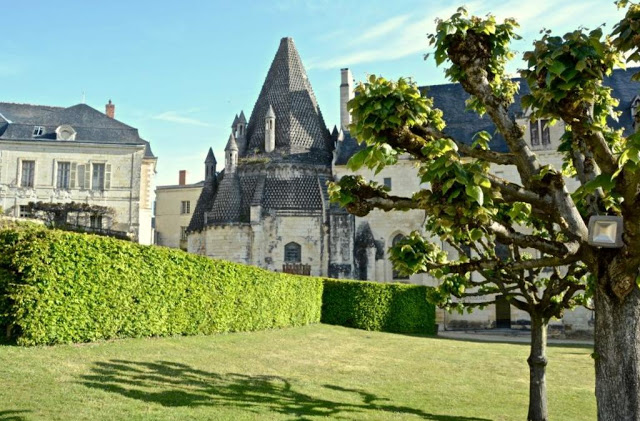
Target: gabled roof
x=300, y=127
x=91, y=125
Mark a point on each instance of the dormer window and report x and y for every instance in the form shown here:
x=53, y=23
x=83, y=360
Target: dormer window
x=65, y=132
x=38, y=131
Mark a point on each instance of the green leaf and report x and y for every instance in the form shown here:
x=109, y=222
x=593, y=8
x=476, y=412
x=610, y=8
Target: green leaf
x=475, y=192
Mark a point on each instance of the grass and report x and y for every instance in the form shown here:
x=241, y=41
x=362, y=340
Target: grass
x=314, y=372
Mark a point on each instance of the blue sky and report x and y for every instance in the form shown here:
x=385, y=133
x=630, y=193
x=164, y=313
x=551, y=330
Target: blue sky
x=180, y=71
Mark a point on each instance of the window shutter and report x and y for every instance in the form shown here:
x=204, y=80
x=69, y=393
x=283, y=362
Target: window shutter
x=107, y=176
x=81, y=170
x=72, y=175
x=87, y=176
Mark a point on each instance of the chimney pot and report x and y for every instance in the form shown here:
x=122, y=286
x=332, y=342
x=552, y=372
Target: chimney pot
x=110, y=110
x=182, y=177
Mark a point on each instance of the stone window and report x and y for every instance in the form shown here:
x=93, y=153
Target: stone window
x=387, y=182
x=502, y=251
x=38, y=131
x=64, y=175
x=28, y=173
x=185, y=207
x=97, y=180
x=396, y=240
x=183, y=233
x=540, y=135
x=25, y=212
x=95, y=221
x=292, y=253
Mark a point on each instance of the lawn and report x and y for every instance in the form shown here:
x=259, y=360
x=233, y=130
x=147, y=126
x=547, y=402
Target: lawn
x=312, y=372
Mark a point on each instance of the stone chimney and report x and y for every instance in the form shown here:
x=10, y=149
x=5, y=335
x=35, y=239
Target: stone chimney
x=182, y=177
x=346, y=93
x=110, y=110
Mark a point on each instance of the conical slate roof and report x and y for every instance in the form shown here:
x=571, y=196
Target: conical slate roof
x=210, y=157
x=231, y=144
x=300, y=127
x=242, y=118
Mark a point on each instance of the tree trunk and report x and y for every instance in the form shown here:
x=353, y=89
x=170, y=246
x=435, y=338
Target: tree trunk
x=617, y=355
x=537, y=367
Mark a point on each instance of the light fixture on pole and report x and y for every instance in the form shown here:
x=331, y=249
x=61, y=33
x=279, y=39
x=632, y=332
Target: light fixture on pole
x=605, y=231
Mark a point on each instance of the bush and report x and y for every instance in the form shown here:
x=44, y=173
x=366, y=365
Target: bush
x=396, y=308
x=62, y=287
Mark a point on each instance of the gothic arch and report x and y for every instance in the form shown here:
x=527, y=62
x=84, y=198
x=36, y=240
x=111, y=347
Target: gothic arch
x=395, y=238
x=292, y=252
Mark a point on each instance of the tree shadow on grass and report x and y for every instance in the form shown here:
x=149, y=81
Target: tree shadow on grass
x=12, y=415
x=174, y=385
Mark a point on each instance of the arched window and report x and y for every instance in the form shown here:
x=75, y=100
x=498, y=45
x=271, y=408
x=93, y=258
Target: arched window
x=292, y=253
x=395, y=241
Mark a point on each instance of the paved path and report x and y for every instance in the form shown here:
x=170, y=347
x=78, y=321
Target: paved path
x=506, y=335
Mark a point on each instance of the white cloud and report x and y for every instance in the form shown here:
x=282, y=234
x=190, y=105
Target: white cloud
x=176, y=117
x=381, y=29
x=405, y=35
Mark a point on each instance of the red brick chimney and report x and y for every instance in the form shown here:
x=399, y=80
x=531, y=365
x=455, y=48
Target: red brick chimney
x=182, y=177
x=110, y=110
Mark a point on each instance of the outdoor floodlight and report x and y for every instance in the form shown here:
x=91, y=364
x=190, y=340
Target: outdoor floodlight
x=605, y=231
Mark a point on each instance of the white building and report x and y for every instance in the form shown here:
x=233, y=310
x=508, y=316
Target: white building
x=76, y=154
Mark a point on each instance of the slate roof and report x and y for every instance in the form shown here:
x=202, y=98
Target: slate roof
x=91, y=126
x=463, y=125
x=204, y=203
x=210, y=157
x=300, y=127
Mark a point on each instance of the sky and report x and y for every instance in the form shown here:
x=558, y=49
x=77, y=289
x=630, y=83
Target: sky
x=180, y=71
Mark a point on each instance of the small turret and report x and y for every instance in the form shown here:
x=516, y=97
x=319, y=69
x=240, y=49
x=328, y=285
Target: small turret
x=270, y=130
x=231, y=155
x=235, y=123
x=210, y=166
x=241, y=126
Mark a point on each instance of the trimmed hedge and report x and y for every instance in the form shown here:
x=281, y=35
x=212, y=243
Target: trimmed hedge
x=396, y=308
x=63, y=287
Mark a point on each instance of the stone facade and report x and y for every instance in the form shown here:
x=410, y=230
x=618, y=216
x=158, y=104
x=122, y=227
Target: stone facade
x=76, y=154
x=270, y=205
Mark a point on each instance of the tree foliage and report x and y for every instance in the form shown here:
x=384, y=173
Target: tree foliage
x=549, y=264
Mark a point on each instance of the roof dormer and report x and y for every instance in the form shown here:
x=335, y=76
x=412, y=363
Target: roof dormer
x=65, y=132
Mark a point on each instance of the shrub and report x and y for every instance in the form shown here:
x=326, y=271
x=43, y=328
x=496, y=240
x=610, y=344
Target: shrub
x=63, y=287
x=396, y=308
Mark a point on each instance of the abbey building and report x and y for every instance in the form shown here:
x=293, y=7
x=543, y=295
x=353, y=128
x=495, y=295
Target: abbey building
x=269, y=205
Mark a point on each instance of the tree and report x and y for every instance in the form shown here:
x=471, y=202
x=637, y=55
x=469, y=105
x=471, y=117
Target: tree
x=57, y=214
x=468, y=204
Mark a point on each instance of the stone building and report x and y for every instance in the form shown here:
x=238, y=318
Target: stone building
x=76, y=154
x=173, y=210
x=269, y=205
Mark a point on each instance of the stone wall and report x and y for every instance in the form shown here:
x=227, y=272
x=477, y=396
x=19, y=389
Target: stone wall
x=122, y=193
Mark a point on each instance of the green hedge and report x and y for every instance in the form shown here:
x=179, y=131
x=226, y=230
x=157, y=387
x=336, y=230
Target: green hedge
x=62, y=287
x=396, y=308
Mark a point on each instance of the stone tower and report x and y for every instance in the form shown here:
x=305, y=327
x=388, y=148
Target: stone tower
x=346, y=94
x=210, y=166
x=231, y=155
x=270, y=130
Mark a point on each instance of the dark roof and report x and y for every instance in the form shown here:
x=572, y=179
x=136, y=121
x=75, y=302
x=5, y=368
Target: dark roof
x=463, y=125
x=300, y=127
x=205, y=202
x=91, y=125
x=210, y=157
x=300, y=193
